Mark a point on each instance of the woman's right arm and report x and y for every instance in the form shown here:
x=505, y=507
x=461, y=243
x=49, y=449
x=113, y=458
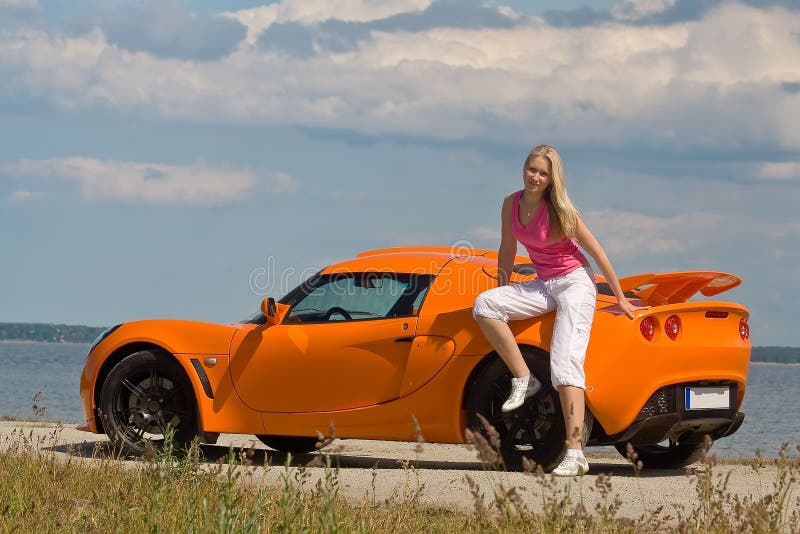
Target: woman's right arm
x=508, y=244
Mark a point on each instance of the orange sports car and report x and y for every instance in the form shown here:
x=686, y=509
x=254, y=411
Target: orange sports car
x=383, y=342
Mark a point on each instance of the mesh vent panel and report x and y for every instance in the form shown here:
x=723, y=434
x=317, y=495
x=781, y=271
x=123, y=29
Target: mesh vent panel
x=661, y=402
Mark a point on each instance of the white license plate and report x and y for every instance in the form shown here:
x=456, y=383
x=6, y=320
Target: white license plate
x=705, y=398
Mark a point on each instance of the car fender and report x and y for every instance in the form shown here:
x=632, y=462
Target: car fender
x=185, y=341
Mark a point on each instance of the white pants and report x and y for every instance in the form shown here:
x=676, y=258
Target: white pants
x=573, y=296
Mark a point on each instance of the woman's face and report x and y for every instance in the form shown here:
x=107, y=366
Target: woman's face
x=536, y=176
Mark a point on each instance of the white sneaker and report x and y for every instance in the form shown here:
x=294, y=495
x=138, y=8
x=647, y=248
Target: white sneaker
x=572, y=465
x=521, y=389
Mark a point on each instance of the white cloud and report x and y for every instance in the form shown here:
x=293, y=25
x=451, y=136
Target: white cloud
x=781, y=171
x=626, y=235
x=307, y=12
x=311, y=11
x=19, y=6
x=636, y=9
x=256, y=20
x=509, y=12
x=683, y=86
x=152, y=183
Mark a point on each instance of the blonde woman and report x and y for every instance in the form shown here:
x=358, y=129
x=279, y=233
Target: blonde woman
x=542, y=218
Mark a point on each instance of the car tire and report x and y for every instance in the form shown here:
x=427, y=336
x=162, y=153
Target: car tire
x=672, y=456
x=293, y=444
x=144, y=394
x=535, y=430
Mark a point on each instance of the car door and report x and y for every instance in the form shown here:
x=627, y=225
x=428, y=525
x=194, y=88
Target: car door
x=344, y=344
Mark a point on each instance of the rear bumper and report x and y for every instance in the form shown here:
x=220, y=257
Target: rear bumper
x=678, y=428
x=664, y=416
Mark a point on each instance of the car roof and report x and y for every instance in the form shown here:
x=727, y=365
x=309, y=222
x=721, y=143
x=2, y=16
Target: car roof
x=395, y=261
x=418, y=259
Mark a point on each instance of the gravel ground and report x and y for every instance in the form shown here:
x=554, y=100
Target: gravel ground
x=373, y=471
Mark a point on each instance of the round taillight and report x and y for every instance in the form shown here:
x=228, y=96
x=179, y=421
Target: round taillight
x=672, y=327
x=648, y=328
x=744, y=329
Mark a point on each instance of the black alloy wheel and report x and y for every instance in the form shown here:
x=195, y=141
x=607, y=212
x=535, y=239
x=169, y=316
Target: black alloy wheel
x=142, y=397
x=536, y=429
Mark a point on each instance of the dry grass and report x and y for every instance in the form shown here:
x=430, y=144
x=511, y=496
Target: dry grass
x=47, y=492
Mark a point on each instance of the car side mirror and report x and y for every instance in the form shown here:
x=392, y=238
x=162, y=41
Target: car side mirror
x=268, y=307
x=273, y=311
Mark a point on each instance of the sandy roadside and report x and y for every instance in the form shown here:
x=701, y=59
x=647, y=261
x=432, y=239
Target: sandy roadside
x=374, y=471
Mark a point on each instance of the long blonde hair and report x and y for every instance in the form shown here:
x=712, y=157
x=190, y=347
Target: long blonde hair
x=561, y=208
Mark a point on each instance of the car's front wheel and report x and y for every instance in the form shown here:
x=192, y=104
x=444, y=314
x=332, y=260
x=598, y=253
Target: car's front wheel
x=142, y=397
x=670, y=455
x=535, y=430
x=293, y=444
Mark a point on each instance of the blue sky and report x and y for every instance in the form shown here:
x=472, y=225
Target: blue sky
x=183, y=159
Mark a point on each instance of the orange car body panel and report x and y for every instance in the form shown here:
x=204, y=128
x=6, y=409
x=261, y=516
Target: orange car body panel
x=295, y=361
x=281, y=379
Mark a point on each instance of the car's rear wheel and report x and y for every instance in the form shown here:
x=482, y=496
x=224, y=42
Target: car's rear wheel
x=293, y=444
x=142, y=397
x=535, y=430
x=670, y=455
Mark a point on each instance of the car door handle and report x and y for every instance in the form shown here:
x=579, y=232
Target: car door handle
x=407, y=339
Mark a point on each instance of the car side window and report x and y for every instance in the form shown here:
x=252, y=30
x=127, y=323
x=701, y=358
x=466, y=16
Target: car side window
x=359, y=296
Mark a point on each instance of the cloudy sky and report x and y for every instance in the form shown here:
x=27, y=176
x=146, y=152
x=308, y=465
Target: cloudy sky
x=185, y=158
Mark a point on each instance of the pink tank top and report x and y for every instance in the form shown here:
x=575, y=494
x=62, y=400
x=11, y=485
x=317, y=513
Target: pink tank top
x=550, y=259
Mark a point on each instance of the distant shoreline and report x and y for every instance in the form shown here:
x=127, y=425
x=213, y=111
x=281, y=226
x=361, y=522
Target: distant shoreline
x=48, y=342
x=49, y=332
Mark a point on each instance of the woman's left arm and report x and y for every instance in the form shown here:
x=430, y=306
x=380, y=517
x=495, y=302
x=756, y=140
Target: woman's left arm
x=589, y=243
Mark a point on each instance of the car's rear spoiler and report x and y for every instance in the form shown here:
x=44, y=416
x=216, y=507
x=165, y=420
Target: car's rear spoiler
x=672, y=288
